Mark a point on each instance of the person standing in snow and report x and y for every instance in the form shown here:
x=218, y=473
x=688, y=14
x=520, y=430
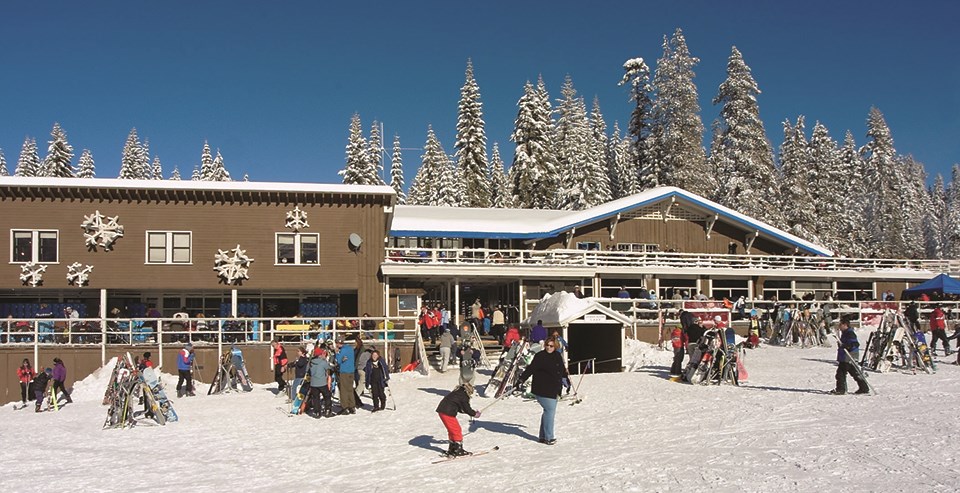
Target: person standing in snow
x=59, y=377
x=40, y=383
x=676, y=340
x=377, y=376
x=299, y=369
x=455, y=402
x=279, y=364
x=499, y=321
x=144, y=363
x=446, y=346
x=848, y=344
x=938, y=328
x=25, y=374
x=318, y=396
x=347, y=366
x=547, y=370
x=184, y=370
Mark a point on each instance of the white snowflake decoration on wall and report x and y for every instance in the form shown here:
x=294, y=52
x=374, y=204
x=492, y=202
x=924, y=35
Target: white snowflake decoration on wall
x=232, y=265
x=297, y=219
x=32, y=273
x=101, y=230
x=78, y=274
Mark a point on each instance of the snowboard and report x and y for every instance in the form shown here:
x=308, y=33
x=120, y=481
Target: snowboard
x=163, y=404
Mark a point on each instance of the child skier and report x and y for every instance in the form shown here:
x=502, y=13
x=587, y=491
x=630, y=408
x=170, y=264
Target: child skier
x=25, y=374
x=377, y=375
x=848, y=345
x=59, y=376
x=455, y=402
x=40, y=386
x=299, y=371
x=676, y=341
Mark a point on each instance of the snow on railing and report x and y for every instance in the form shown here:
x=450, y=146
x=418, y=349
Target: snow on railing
x=598, y=258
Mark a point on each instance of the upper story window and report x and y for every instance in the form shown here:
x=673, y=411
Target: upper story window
x=40, y=246
x=588, y=245
x=169, y=247
x=298, y=249
x=638, y=247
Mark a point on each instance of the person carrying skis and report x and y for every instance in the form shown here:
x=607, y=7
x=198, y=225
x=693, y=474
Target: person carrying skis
x=320, y=384
x=40, y=386
x=25, y=374
x=59, y=377
x=279, y=364
x=455, y=402
x=377, y=376
x=848, y=345
x=548, y=370
x=300, y=369
x=184, y=370
x=346, y=365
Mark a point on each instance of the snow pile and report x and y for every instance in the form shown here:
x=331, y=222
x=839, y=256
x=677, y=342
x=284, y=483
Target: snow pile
x=638, y=354
x=554, y=308
x=93, y=387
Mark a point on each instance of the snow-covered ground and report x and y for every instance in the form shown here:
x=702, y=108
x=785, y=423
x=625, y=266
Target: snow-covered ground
x=635, y=431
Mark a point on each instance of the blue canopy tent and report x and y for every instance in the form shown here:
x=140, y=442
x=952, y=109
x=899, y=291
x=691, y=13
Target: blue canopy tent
x=942, y=284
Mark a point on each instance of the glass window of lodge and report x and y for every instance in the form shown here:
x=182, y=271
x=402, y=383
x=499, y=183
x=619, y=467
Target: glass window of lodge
x=298, y=248
x=169, y=247
x=588, y=245
x=34, y=246
x=638, y=247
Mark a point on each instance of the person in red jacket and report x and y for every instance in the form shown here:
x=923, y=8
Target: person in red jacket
x=938, y=326
x=279, y=364
x=676, y=340
x=25, y=374
x=513, y=335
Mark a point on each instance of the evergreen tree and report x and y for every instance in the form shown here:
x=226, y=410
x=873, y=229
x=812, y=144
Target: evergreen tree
x=614, y=174
x=740, y=152
x=934, y=220
x=359, y=169
x=797, y=203
x=29, y=162
x=533, y=174
x=376, y=151
x=218, y=172
x=59, y=155
x=599, y=192
x=157, y=170
x=396, y=171
x=246, y=177
x=883, y=217
x=86, y=168
x=130, y=162
x=3, y=165
x=914, y=202
x=624, y=161
x=196, y=174
x=206, y=163
x=641, y=126
x=471, y=143
x=573, y=143
x=823, y=176
x=851, y=231
x=501, y=196
x=951, y=227
x=434, y=183
x=143, y=156
x=678, y=129
x=175, y=176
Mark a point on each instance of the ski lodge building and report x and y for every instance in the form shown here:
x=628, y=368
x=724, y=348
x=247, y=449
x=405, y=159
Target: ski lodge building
x=285, y=252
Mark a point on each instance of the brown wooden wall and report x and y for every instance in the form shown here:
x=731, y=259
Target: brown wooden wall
x=214, y=226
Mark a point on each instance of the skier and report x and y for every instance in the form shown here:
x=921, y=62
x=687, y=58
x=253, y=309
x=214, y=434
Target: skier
x=184, y=367
x=360, y=377
x=912, y=312
x=547, y=370
x=346, y=365
x=40, y=386
x=320, y=384
x=455, y=402
x=236, y=359
x=377, y=376
x=446, y=346
x=469, y=359
x=938, y=327
x=676, y=339
x=279, y=363
x=300, y=369
x=59, y=377
x=25, y=374
x=848, y=344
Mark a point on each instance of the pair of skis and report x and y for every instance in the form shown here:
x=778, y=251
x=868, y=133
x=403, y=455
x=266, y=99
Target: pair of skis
x=450, y=458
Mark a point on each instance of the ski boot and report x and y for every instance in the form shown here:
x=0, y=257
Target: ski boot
x=456, y=450
x=179, y=393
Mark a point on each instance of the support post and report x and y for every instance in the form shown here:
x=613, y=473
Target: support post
x=456, y=300
x=233, y=303
x=103, y=327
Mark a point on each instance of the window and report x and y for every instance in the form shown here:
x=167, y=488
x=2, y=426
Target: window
x=34, y=246
x=298, y=248
x=169, y=247
x=638, y=247
x=588, y=245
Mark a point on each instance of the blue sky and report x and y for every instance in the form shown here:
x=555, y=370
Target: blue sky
x=274, y=84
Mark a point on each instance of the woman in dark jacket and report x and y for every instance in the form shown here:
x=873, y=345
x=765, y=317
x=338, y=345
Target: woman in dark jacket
x=548, y=371
x=455, y=402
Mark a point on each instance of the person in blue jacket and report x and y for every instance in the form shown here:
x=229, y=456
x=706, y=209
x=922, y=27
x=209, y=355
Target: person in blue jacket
x=538, y=333
x=346, y=365
x=377, y=376
x=845, y=365
x=184, y=370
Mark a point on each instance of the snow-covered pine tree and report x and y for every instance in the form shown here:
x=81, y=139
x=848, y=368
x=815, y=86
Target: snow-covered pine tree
x=359, y=169
x=797, y=203
x=883, y=180
x=146, y=170
x=740, y=152
x=130, y=162
x=501, y=196
x=396, y=171
x=175, y=176
x=156, y=172
x=86, y=168
x=533, y=174
x=678, y=129
x=206, y=162
x=471, y=143
x=375, y=152
x=59, y=155
x=573, y=144
x=3, y=165
x=640, y=129
x=599, y=156
x=934, y=219
x=951, y=227
x=195, y=176
x=625, y=162
x=914, y=202
x=218, y=171
x=823, y=176
x=433, y=183
x=613, y=173
x=29, y=162
x=246, y=177
x=851, y=189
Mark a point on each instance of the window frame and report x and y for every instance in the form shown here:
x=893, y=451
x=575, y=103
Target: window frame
x=34, y=246
x=168, y=248
x=297, y=249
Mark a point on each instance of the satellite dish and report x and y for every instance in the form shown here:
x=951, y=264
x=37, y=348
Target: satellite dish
x=354, y=241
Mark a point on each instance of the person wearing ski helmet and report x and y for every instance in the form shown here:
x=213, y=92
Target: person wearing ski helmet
x=547, y=370
x=848, y=352
x=455, y=402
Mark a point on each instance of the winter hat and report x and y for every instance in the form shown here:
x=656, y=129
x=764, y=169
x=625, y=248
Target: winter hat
x=146, y=355
x=717, y=319
x=468, y=388
x=189, y=345
x=47, y=370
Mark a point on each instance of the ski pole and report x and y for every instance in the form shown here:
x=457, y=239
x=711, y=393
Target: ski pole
x=488, y=406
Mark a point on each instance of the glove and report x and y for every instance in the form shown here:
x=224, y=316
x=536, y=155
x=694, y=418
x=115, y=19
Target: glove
x=477, y=415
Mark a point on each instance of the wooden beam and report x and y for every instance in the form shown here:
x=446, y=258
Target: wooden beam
x=613, y=225
x=710, y=222
x=749, y=241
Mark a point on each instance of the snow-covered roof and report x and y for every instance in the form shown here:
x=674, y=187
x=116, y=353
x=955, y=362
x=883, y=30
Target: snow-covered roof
x=243, y=186
x=459, y=222
x=559, y=309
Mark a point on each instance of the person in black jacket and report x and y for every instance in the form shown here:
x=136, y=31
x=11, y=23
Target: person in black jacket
x=40, y=383
x=300, y=367
x=455, y=402
x=548, y=370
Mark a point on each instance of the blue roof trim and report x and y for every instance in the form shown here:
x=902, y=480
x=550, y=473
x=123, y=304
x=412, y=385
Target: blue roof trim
x=467, y=234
